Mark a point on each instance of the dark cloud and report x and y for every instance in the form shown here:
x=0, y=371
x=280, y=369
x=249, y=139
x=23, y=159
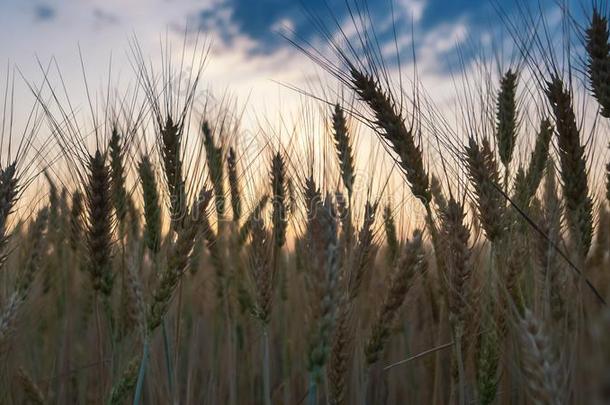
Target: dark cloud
x=44, y=12
x=259, y=20
x=256, y=20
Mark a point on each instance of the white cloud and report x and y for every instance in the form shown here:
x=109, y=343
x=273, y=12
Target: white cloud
x=414, y=8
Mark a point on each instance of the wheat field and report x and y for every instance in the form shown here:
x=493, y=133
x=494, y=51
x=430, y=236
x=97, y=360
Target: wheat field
x=152, y=253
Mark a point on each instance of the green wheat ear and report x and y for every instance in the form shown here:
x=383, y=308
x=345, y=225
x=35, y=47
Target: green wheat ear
x=99, y=227
x=344, y=148
x=573, y=164
x=506, y=117
x=152, y=207
x=278, y=187
x=598, y=63
x=234, y=184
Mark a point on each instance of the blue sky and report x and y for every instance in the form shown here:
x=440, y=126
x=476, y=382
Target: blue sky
x=256, y=19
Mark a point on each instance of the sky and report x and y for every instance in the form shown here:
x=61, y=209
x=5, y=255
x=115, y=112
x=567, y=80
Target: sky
x=250, y=57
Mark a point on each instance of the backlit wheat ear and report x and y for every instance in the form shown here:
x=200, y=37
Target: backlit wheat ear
x=261, y=269
x=461, y=299
x=527, y=187
x=152, y=207
x=389, y=226
x=540, y=365
x=255, y=215
x=214, y=158
x=344, y=213
x=117, y=174
x=126, y=382
x=485, y=178
x=8, y=316
x=455, y=236
x=53, y=202
x=578, y=204
x=320, y=232
x=33, y=393
x=76, y=220
x=216, y=258
x=437, y=193
x=487, y=358
x=36, y=252
x=9, y=190
x=99, y=227
x=365, y=251
x=598, y=63
x=506, y=119
x=133, y=217
x=177, y=261
x=391, y=125
x=411, y=262
x=546, y=254
x=278, y=187
x=234, y=184
x=344, y=149
x=326, y=302
x=171, y=141
x=25, y=279
x=318, y=235
x=137, y=308
x=340, y=353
